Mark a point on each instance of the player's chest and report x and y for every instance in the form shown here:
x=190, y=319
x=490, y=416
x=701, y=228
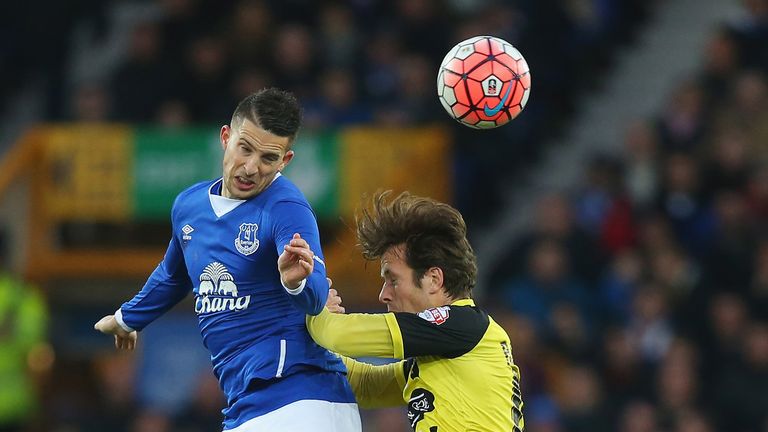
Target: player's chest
x=238, y=241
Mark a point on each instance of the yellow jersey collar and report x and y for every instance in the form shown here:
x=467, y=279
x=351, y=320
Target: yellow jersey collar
x=463, y=302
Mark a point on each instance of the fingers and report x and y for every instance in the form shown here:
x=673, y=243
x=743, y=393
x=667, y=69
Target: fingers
x=298, y=241
x=305, y=257
x=333, y=297
x=123, y=340
x=303, y=252
x=334, y=302
x=126, y=342
x=330, y=283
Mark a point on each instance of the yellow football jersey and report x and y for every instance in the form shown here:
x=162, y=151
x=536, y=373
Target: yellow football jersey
x=457, y=374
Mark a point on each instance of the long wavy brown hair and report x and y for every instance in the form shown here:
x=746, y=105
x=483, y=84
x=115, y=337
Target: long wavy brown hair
x=434, y=235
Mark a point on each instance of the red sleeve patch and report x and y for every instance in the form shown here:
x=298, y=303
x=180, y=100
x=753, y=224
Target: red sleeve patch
x=436, y=315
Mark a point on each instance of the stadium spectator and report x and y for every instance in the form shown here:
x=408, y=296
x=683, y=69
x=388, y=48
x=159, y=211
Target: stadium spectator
x=143, y=80
x=547, y=285
x=554, y=220
x=24, y=352
x=23, y=326
x=641, y=164
x=739, y=393
x=91, y=104
x=581, y=400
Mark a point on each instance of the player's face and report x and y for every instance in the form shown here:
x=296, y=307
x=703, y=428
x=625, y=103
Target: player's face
x=252, y=158
x=399, y=292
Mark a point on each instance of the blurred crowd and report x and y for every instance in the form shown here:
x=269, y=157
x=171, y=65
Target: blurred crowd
x=636, y=303
x=639, y=302
x=350, y=62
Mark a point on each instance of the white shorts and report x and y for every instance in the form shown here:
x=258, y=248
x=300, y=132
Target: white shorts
x=306, y=415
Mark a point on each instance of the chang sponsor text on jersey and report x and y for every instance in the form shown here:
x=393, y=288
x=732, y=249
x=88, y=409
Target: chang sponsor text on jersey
x=218, y=291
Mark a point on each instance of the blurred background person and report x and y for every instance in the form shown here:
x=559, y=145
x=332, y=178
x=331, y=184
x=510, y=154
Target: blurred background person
x=25, y=355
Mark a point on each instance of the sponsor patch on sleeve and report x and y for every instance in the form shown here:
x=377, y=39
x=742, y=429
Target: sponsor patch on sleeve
x=436, y=315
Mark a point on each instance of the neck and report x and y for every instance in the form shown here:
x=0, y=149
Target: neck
x=442, y=299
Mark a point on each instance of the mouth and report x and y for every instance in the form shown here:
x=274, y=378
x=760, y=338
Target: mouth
x=244, y=184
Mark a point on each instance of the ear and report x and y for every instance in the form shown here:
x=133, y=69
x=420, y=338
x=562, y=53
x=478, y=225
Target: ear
x=224, y=135
x=286, y=160
x=433, y=280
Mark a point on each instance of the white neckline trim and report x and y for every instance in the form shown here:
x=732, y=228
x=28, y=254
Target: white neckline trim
x=222, y=205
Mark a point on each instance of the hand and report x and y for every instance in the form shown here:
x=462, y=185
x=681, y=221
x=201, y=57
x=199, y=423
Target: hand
x=296, y=262
x=123, y=339
x=334, y=300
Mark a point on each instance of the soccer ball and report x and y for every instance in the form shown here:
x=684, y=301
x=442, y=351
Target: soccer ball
x=483, y=82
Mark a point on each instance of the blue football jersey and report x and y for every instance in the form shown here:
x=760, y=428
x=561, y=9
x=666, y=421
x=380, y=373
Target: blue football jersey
x=225, y=251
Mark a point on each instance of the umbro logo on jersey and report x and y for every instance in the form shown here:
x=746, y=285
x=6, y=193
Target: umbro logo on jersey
x=436, y=315
x=186, y=232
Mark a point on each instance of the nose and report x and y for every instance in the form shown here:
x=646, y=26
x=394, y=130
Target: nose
x=251, y=166
x=385, y=296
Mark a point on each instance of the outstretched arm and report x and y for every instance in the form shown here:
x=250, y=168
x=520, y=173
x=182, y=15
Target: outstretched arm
x=167, y=285
x=356, y=335
x=400, y=335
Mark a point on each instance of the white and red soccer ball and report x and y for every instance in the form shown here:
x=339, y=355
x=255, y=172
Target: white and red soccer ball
x=483, y=82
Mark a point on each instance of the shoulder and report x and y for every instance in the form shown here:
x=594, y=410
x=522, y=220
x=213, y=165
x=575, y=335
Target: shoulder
x=284, y=188
x=469, y=318
x=285, y=193
x=448, y=331
x=196, y=188
x=187, y=197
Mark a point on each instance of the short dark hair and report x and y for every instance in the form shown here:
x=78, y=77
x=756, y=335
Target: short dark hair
x=434, y=235
x=274, y=110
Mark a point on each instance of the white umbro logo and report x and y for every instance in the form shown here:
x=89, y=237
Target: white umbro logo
x=187, y=230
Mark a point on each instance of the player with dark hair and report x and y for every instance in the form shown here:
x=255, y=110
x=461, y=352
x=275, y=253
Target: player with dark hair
x=251, y=297
x=457, y=372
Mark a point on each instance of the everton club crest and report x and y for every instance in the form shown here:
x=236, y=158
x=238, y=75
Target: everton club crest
x=246, y=241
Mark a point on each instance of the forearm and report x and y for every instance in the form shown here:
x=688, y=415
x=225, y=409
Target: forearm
x=376, y=386
x=155, y=298
x=356, y=335
x=296, y=218
x=166, y=286
x=307, y=297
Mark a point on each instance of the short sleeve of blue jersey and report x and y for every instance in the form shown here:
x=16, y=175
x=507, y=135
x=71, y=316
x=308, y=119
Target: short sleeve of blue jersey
x=288, y=218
